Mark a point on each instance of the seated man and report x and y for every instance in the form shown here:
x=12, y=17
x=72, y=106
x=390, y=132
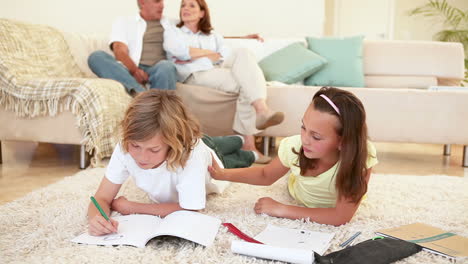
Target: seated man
x=137, y=43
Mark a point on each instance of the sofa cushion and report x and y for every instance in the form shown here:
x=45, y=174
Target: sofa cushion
x=344, y=67
x=291, y=64
x=262, y=49
x=81, y=46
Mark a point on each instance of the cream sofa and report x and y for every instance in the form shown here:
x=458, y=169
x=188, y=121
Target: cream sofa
x=399, y=106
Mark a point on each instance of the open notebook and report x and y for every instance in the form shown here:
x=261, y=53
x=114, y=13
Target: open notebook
x=137, y=229
x=285, y=244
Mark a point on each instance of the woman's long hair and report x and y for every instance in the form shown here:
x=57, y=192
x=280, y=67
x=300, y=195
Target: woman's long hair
x=351, y=177
x=204, y=25
x=162, y=111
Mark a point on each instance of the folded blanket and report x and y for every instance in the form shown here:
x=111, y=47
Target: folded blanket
x=39, y=77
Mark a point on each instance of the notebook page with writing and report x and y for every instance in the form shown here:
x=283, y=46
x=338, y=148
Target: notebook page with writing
x=295, y=238
x=135, y=230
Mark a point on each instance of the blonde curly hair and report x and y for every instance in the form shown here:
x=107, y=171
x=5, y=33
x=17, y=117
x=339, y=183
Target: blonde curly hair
x=162, y=111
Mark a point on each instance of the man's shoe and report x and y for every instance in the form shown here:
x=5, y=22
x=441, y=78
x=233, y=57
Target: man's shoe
x=268, y=120
x=133, y=93
x=262, y=159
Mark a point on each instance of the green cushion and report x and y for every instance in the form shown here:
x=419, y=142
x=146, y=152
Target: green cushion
x=291, y=64
x=344, y=56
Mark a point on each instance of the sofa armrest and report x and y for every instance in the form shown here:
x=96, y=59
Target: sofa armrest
x=416, y=58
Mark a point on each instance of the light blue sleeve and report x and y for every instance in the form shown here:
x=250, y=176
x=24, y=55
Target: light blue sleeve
x=174, y=43
x=221, y=48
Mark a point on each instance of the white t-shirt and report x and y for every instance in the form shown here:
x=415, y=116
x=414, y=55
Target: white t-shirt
x=186, y=39
x=130, y=31
x=188, y=186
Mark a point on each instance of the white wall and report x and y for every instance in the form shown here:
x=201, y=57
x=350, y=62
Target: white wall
x=82, y=16
x=271, y=18
x=373, y=19
x=418, y=27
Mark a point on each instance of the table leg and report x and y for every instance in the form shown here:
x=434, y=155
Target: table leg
x=447, y=149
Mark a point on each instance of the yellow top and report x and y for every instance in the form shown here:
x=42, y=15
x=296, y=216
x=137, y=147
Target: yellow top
x=313, y=192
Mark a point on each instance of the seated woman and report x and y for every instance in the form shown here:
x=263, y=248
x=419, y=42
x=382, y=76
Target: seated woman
x=204, y=60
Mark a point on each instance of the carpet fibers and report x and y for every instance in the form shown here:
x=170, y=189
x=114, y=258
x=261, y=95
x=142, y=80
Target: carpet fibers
x=37, y=228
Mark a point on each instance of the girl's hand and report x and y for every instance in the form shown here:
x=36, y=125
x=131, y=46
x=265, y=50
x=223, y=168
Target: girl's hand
x=98, y=226
x=215, y=171
x=122, y=205
x=266, y=205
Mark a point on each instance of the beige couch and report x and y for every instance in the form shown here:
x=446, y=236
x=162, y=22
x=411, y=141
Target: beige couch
x=399, y=106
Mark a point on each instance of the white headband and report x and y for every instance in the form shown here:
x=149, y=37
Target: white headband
x=331, y=103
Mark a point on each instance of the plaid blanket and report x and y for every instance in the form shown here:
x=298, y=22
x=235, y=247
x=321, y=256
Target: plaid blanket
x=39, y=77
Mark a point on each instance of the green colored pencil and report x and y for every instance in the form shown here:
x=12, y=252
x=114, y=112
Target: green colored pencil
x=99, y=208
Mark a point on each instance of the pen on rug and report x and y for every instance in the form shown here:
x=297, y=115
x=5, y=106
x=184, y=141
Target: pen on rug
x=99, y=208
x=350, y=239
x=352, y=243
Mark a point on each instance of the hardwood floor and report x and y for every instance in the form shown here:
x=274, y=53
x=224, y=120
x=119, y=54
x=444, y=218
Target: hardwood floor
x=28, y=166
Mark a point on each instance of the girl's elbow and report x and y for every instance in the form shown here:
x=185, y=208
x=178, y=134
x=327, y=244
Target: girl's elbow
x=342, y=219
x=266, y=182
x=340, y=222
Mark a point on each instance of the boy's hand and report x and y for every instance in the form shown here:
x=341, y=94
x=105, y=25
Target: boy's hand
x=99, y=226
x=266, y=205
x=122, y=205
x=215, y=171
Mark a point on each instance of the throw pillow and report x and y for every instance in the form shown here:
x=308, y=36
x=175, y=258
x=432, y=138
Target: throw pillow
x=291, y=64
x=344, y=56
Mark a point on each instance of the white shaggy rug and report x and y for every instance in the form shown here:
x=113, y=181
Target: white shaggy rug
x=37, y=228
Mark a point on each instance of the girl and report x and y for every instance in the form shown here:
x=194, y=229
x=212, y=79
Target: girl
x=329, y=164
x=202, y=59
x=162, y=149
